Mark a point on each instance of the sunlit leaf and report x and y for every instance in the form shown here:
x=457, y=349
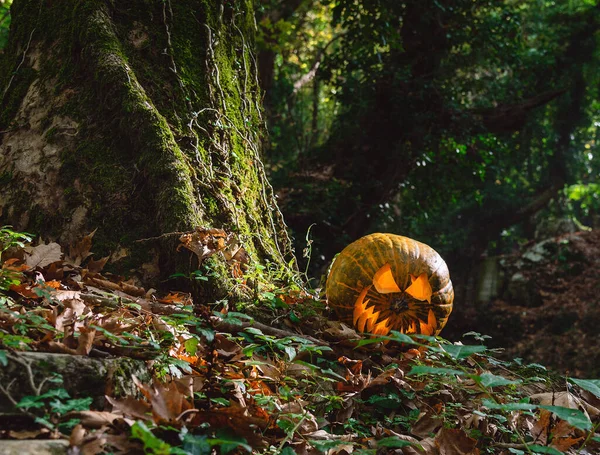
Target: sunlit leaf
x=152, y=444
x=492, y=380
x=509, y=406
x=535, y=448
x=458, y=351
x=421, y=369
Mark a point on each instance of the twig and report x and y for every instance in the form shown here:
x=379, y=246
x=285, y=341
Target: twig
x=8, y=395
x=24, y=53
x=19, y=65
x=186, y=412
x=219, y=324
x=150, y=307
x=306, y=78
x=509, y=445
x=167, y=234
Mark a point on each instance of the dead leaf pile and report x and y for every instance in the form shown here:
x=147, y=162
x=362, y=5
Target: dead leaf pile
x=251, y=386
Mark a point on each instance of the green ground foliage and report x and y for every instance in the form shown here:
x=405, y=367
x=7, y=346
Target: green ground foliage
x=225, y=381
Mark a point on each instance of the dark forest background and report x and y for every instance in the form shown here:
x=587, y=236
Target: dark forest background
x=469, y=125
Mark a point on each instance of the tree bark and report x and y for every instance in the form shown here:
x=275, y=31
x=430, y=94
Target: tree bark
x=140, y=119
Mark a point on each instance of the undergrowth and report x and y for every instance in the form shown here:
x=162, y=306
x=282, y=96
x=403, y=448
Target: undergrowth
x=224, y=381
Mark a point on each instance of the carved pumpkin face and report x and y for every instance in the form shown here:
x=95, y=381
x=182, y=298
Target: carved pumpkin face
x=386, y=282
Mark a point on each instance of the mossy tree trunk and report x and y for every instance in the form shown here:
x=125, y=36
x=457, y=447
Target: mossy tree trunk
x=138, y=118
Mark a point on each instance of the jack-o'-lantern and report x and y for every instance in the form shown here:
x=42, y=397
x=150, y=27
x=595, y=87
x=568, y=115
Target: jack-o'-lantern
x=385, y=282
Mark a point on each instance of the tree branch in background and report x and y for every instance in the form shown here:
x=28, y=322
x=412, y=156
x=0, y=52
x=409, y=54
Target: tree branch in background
x=507, y=118
x=306, y=78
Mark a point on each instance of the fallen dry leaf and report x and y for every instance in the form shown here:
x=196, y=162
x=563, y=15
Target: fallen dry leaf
x=427, y=425
x=43, y=255
x=92, y=419
x=85, y=340
x=97, y=266
x=541, y=428
x=451, y=441
x=205, y=242
x=80, y=250
x=166, y=400
x=25, y=290
x=131, y=407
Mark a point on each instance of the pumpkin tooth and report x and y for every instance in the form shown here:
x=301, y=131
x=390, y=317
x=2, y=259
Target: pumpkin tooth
x=359, y=306
x=365, y=317
x=372, y=320
x=381, y=328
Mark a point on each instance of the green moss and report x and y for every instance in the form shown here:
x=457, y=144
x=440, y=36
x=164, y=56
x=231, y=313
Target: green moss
x=5, y=178
x=135, y=167
x=50, y=134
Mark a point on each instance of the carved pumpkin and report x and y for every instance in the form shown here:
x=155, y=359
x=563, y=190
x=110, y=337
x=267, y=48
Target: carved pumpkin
x=386, y=282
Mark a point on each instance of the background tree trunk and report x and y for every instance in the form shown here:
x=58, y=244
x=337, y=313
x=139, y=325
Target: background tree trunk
x=138, y=118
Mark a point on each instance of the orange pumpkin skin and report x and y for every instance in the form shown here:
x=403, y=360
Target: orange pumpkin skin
x=351, y=292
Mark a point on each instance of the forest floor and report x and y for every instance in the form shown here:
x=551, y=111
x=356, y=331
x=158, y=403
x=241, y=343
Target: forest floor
x=549, y=309
x=199, y=378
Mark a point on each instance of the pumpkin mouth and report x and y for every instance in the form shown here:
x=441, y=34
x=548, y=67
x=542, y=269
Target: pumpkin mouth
x=383, y=306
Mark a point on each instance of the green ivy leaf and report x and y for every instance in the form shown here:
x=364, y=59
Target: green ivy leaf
x=221, y=401
x=403, y=338
x=421, y=369
x=393, y=441
x=206, y=333
x=152, y=444
x=573, y=417
x=492, y=380
x=3, y=358
x=509, y=406
x=367, y=341
x=290, y=352
x=196, y=445
x=30, y=401
x=229, y=442
x=191, y=346
x=544, y=449
x=287, y=450
x=591, y=385
x=457, y=351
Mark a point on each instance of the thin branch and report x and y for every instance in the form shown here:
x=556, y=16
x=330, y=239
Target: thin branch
x=219, y=324
x=306, y=78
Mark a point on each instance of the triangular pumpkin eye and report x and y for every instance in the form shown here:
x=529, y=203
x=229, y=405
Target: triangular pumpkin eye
x=420, y=288
x=384, y=282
